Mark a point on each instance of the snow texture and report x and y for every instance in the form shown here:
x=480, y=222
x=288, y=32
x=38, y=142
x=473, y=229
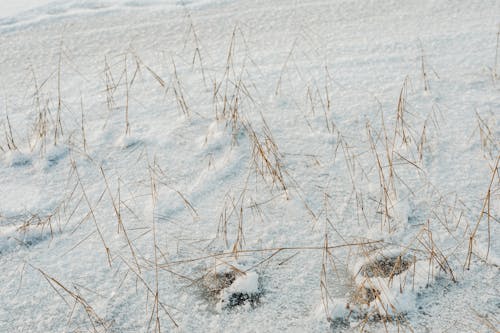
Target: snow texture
x=339, y=157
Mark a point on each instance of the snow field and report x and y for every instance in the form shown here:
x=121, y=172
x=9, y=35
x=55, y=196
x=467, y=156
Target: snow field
x=147, y=145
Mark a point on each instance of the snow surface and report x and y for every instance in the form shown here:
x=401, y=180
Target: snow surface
x=14, y=8
x=143, y=143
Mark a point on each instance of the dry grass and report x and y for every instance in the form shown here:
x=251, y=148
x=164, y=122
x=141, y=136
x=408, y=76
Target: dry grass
x=267, y=158
x=393, y=146
x=9, y=136
x=386, y=266
x=493, y=187
x=97, y=322
x=496, y=75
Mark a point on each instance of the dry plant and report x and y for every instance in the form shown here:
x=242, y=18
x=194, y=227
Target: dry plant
x=327, y=265
x=495, y=68
x=386, y=162
x=435, y=255
x=42, y=109
x=117, y=209
x=386, y=266
x=316, y=96
x=284, y=67
x=41, y=129
x=422, y=65
x=230, y=92
x=274, y=250
x=178, y=92
x=91, y=213
x=386, y=175
x=368, y=300
x=154, y=322
x=489, y=143
x=111, y=86
x=401, y=128
x=424, y=68
x=267, y=158
x=197, y=50
x=155, y=311
x=224, y=217
x=98, y=323
x=233, y=209
x=47, y=129
x=492, y=324
x=154, y=74
x=354, y=169
x=431, y=122
x=9, y=136
x=82, y=126
x=58, y=128
x=127, y=88
x=493, y=187
x=161, y=178
x=151, y=292
x=44, y=221
x=353, y=166
x=213, y=282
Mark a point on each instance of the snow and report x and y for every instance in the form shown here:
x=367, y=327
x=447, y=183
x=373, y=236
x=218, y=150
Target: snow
x=22, y=13
x=247, y=283
x=147, y=144
x=12, y=8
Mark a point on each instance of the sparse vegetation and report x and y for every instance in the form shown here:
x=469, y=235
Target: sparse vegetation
x=308, y=185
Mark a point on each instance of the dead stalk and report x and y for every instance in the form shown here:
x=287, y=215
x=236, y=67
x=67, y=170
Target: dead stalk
x=495, y=68
x=91, y=211
x=84, y=137
x=485, y=210
x=424, y=72
x=95, y=320
x=117, y=210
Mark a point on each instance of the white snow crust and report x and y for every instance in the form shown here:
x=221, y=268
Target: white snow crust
x=145, y=144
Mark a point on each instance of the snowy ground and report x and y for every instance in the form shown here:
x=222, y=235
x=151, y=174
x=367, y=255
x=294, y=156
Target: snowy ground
x=250, y=166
